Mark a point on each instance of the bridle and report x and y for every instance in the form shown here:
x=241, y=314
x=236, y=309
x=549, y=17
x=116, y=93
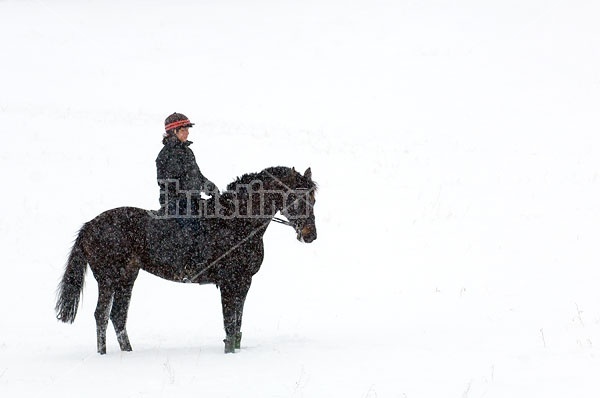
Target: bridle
x=284, y=222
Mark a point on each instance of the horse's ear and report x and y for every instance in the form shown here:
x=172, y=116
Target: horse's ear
x=308, y=173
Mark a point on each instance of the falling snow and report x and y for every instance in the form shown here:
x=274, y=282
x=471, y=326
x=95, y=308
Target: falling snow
x=457, y=154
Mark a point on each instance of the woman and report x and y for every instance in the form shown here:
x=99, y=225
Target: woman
x=177, y=171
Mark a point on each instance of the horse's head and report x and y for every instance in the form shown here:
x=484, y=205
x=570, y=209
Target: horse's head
x=299, y=204
x=261, y=195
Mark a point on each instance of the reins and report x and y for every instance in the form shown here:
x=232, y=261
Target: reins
x=282, y=221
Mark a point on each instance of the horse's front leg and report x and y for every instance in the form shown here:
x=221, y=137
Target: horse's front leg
x=233, y=295
x=229, y=315
x=240, y=313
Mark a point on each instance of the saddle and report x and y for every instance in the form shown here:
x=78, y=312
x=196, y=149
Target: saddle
x=179, y=243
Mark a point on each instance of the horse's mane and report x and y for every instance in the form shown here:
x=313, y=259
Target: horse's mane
x=281, y=173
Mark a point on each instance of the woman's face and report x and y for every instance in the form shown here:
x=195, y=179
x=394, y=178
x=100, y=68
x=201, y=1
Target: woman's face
x=182, y=134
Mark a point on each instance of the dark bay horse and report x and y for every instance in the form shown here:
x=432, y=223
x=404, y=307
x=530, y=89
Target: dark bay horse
x=223, y=246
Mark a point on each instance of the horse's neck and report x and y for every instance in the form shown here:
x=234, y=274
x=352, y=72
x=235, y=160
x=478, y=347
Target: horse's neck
x=260, y=207
x=256, y=208
x=255, y=199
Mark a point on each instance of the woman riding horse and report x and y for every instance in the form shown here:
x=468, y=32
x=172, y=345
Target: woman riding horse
x=120, y=242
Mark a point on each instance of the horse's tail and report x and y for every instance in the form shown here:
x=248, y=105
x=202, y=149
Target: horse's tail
x=70, y=288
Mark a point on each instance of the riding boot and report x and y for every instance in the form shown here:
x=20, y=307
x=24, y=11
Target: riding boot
x=184, y=238
x=200, y=250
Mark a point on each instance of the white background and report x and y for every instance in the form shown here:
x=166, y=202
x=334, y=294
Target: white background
x=456, y=148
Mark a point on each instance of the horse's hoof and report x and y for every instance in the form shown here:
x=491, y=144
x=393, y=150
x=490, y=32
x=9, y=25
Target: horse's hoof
x=126, y=346
x=123, y=341
x=238, y=340
x=229, y=345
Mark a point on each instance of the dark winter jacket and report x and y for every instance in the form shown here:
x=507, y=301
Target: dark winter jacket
x=176, y=171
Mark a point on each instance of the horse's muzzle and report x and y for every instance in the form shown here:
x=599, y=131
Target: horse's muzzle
x=307, y=234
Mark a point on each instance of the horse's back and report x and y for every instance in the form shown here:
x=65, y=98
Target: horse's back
x=122, y=213
x=116, y=231
x=120, y=216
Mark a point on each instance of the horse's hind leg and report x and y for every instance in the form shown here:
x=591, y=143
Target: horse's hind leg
x=105, y=295
x=118, y=315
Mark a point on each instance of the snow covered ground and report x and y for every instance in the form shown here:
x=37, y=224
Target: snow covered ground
x=457, y=150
